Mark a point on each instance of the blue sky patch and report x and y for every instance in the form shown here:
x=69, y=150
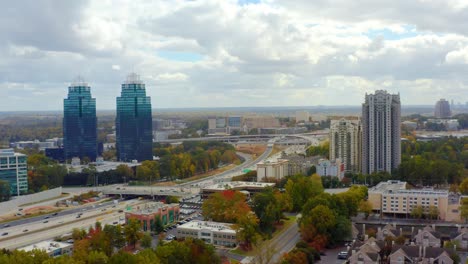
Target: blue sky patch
x=180, y=56
x=245, y=2
x=390, y=35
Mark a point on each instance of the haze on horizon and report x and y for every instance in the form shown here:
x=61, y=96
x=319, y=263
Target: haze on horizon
x=228, y=53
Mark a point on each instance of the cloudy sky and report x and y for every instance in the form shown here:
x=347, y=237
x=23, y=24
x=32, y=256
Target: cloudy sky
x=216, y=53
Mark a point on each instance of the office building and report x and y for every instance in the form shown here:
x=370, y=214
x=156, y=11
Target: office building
x=14, y=170
x=147, y=214
x=215, y=233
x=272, y=170
x=134, y=139
x=381, y=132
x=79, y=122
x=393, y=198
x=51, y=248
x=217, y=126
x=345, y=143
x=442, y=109
x=256, y=121
x=333, y=168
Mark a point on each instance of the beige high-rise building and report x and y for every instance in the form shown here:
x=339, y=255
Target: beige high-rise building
x=257, y=121
x=302, y=116
x=345, y=143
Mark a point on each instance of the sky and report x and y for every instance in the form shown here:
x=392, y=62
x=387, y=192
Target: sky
x=234, y=53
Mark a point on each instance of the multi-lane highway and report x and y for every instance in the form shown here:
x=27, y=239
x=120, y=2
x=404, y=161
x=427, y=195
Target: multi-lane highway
x=39, y=228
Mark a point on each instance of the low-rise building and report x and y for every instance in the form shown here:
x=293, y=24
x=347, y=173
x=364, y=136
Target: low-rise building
x=331, y=168
x=248, y=187
x=419, y=254
x=427, y=237
x=366, y=252
x=299, y=164
x=52, y=248
x=215, y=233
x=148, y=213
x=392, y=198
x=461, y=236
x=272, y=170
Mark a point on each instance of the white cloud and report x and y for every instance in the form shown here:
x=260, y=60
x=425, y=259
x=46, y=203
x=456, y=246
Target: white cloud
x=294, y=52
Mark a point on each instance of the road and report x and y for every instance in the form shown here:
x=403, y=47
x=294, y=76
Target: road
x=331, y=256
x=39, y=230
x=285, y=242
x=59, y=214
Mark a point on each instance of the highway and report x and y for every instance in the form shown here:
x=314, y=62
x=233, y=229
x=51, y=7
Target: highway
x=59, y=214
x=43, y=229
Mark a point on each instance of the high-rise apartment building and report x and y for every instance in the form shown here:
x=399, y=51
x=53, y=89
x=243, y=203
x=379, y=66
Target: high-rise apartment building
x=442, y=109
x=14, y=170
x=79, y=122
x=134, y=122
x=381, y=132
x=345, y=143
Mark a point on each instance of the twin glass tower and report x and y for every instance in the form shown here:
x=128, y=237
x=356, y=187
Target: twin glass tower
x=133, y=123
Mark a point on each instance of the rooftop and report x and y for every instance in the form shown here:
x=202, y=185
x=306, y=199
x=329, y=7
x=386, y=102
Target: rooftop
x=151, y=208
x=384, y=187
x=236, y=185
x=47, y=246
x=399, y=188
x=206, y=225
x=9, y=152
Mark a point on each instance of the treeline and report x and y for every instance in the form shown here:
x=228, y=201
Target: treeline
x=110, y=244
x=192, y=158
x=322, y=150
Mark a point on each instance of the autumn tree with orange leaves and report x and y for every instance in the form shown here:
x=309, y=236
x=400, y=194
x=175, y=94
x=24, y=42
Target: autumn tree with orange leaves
x=227, y=206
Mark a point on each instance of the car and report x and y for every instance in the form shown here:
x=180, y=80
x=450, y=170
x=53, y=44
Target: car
x=45, y=222
x=120, y=211
x=322, y=253
x=55, y=214
x=60, y=222
x=6, y=225
x=21, y=209
x=25, y=230
x=343, y=255
x=70, y=241
x=165, y=230
x=5, y=234
x=78, y=216
x=103, y=210
x=47, y=217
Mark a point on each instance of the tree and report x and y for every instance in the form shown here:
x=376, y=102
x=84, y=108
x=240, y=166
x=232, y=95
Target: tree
x=146, y=241
x=5, y=193
x=124, y=172
x=132, y=232
x=464, y=187
x=433, y=212
x=365, y=207
x=114, y=235
x=96, y=257
x=267, y=207
x=300, y=188
x=158, y=225
x=172, y=199
x=226, y=206
x=78, y=234
x=417, y=212
x=464, y=209
x=246, y=228
x=148, y=171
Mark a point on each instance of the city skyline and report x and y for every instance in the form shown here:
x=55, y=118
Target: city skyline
x=235, y=53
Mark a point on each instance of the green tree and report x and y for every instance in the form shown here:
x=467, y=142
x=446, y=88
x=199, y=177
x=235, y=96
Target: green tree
x=146, y=240
x=158, y=225
x=433, y=212
x=464, y=186
x=464, y=209
x=132, y=232
x=417, y=212
x=97, y=257
x=365, y=207
x=78, y=234
x=4, y=191
x=124, y=172
x=172, y=199
x=246, y=228
x=267, y=208
x=300, y=188
x=114, y=236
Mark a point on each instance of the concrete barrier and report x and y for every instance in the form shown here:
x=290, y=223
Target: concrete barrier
x=29, y=198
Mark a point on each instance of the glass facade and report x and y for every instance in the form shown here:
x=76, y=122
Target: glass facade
x=14, y=170
x=134, y=122
x=79, y=123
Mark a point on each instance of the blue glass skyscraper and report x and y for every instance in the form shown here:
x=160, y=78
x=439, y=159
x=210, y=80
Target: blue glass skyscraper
x=134, y=122
x=79, y=122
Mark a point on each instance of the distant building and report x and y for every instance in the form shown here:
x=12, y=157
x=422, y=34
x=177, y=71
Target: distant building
x=345, y=143
x=449, y=124
x=215, y=233
x=14, y=170
x=410, y=125
x=442, y=109
x=147, y=214
x=250, y=187
x=381, y=132
x=282, y=130
x=52, y=248
x=79, y=122
x=333, y=168
x=57, y=154
x=134, y=122
x=161, y=135
x=160, y=124
x=272, y=170
x=392, y=198
x=234, y=123
x=299, y=164
x=302, y=116
x=256, y=121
